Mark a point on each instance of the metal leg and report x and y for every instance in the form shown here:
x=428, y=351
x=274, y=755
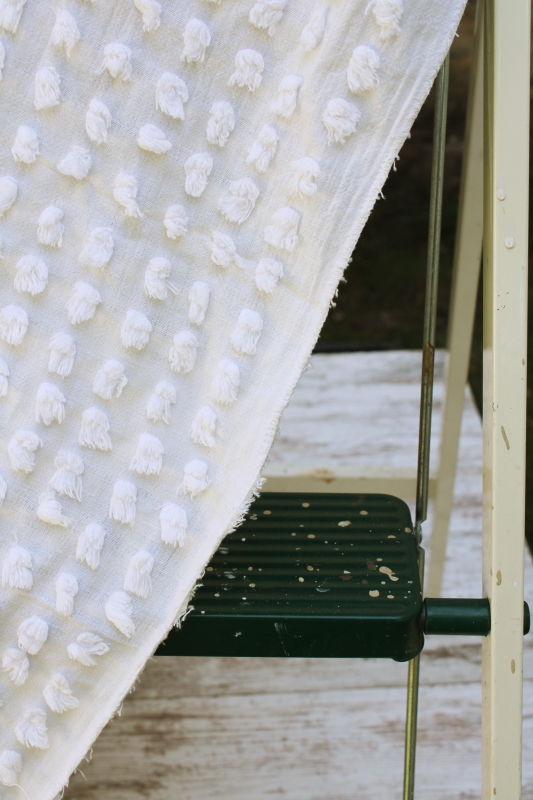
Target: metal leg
x=505, y=259
x=467, y=260
x=411, y=717
x=413, y=678
x=426, y=400
x=430, y=307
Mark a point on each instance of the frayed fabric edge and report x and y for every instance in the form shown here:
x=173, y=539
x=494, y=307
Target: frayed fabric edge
x=180, y=608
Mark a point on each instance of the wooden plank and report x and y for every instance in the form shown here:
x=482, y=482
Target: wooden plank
x=318, y=729
x=356, y=410
x=315, y=745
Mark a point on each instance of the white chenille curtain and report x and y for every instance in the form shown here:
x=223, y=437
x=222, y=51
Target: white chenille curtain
x=182, y=184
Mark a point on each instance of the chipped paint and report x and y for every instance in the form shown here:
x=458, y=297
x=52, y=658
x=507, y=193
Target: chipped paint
x=389, y=572
x=505, y=439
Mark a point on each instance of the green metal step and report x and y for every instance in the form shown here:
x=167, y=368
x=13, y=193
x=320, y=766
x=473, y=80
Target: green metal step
x=311, y=575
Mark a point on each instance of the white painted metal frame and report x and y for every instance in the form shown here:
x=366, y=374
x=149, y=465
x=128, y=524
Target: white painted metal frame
x=505, y=247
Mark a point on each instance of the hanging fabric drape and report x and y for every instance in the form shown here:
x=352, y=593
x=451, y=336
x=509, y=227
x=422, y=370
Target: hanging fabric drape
x=181, y=188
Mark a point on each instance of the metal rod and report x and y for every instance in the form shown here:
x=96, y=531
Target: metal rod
x=430, y=311
x=413, y=680
x=426, y=398
x=411, y=718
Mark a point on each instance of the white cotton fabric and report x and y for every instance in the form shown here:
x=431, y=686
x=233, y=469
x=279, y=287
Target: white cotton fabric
x=256, y=336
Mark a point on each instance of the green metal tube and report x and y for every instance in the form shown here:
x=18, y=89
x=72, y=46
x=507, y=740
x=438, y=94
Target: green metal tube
x=442, y=615
x=457, y=617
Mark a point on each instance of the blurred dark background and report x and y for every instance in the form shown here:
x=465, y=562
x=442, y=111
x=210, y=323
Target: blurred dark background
x=381, y=304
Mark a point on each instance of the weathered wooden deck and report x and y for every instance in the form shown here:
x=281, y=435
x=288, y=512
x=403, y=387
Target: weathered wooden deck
x=232, y=729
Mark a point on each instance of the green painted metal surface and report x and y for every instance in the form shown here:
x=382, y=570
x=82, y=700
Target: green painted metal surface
x=447, y=616
x=322, y=575
x=456, y=617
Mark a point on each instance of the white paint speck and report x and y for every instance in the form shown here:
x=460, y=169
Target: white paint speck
x=389, y=572
x=344, y=523
x=374, y=593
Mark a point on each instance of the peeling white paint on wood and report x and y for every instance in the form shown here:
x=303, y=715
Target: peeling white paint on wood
x=311, y=729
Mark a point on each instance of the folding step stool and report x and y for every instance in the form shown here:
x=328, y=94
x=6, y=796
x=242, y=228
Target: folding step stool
x=340, y=575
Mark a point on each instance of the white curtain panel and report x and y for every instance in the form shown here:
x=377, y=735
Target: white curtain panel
x=181, y=186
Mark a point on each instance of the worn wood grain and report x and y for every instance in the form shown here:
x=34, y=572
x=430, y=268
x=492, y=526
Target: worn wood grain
x=299, y=744
x=235, y=729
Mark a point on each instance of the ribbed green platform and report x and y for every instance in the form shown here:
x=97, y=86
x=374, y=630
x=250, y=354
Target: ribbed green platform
x=323, y=575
